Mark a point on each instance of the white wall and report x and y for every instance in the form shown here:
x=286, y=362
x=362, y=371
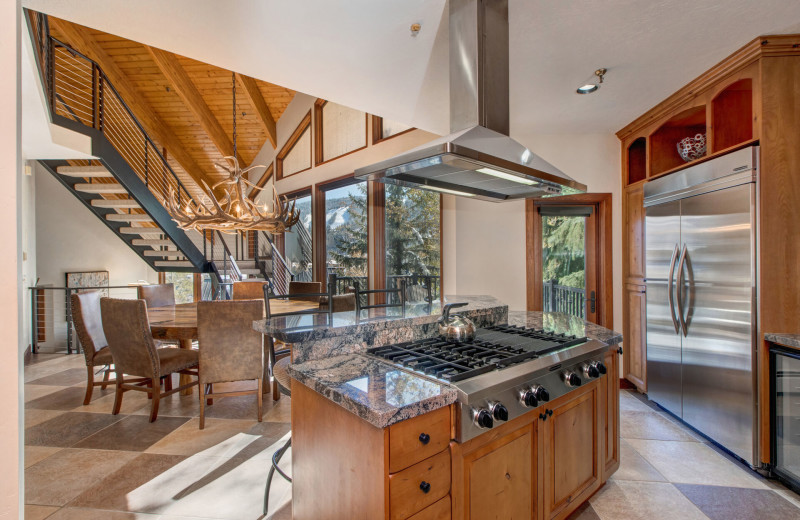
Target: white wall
x=28, y=246
x=11, y=451
x=488, y=256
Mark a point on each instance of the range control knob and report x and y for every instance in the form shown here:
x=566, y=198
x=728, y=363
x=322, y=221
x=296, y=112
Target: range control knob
x=482, y=418
x=571, y=378
x=528, y=398
x=499, y=412
x=590, y=371
x=541, y=393
x=600, y=367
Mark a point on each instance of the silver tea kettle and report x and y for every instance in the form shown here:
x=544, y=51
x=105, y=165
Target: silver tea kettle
x=456, y=327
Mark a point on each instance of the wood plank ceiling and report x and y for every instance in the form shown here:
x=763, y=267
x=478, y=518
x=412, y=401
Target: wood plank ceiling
x=191, y=99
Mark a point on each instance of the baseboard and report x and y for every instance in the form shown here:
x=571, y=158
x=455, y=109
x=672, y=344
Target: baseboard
x=27, y=355
x=624, y=384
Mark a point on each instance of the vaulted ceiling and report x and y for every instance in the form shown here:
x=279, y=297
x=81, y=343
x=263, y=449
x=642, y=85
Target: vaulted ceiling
x=185, y=105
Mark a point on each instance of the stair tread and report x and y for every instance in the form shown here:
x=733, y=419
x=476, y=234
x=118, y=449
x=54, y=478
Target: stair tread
x=84, y=171
x=127, y=217
x=111, y=187
x=117, y=203
x=140, y=231
x=152, y=242
x=171, y=254
x=173, y=263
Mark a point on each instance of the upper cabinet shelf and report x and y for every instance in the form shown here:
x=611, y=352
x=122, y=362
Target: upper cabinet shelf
x=722, y=113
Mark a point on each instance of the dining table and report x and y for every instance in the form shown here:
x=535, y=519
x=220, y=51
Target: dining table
x=179, y=323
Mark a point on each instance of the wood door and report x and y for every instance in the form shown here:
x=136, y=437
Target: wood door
x=635, y=349
x=610, y=406
x=572, y=452
x=500, y=478
x=633, y=237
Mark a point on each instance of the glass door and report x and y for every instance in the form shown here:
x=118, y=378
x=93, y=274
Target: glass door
x=568, y=264
x=786, y=413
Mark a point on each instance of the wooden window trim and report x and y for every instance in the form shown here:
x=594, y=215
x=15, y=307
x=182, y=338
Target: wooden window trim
x=377, y=131
x=319, y=158
x=265, y=177
x=305, y=123
x=602, y=243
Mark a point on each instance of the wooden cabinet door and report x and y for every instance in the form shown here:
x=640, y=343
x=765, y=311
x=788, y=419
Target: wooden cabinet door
x=634, y=232
x=500, y=478
x=610, y=406
x=635, y=338
x=571, y=452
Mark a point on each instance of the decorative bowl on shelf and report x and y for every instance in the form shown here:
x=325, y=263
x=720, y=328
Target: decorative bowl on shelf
x=692, y=148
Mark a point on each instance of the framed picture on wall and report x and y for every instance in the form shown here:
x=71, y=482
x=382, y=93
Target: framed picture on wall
x=87, y=280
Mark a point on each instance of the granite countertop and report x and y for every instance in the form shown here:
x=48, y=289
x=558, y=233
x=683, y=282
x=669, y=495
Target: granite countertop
x=376, y=391
x=788, y=340
x=383, y=394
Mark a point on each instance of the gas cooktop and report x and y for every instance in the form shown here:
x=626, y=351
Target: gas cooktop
x=494, y=348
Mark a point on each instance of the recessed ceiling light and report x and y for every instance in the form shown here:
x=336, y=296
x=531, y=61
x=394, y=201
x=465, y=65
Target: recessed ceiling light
x=506, y=176
x=588, y=88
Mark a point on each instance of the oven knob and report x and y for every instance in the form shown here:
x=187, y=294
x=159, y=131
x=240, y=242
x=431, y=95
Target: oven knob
x=600, y=367
x=482, y=418
x=590, y=371
x=500, y=412
x=528, y=398
x=541, y=394
x=571, y=378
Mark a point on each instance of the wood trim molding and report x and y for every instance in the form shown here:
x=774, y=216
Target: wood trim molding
x=262, y=181
x=319, y=158
x=305, y=123
x=601, y=243
x=377, y=131
x=377, y=213
x=775, y=45
x=253, y=93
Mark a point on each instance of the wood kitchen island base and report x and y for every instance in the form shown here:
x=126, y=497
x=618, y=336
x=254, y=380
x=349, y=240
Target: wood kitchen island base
x=541, y=465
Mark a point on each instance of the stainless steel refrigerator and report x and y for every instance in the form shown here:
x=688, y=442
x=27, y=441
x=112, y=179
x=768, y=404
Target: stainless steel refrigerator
x=701, y=273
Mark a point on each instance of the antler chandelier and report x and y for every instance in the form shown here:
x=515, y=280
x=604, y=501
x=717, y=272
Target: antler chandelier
x=233, y=210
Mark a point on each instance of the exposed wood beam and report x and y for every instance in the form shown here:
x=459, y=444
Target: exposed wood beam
x=253, y=93
x=80, y=38
x=169, y=65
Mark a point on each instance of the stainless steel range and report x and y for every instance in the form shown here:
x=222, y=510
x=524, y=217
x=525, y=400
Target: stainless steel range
x=505, y=372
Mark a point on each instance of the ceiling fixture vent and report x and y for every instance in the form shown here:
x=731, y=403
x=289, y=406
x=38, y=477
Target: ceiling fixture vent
x=478, y=159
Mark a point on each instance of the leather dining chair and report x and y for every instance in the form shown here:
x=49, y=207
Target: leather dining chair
x=248, y=290
x=89, y=328
x=341, y=303
x=159, y=295
x=301, y=288
x=230, y=349
x=127, y=330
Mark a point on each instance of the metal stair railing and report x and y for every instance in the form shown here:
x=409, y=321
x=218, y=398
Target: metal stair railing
x=281, y=274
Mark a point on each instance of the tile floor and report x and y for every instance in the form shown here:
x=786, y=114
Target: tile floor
x=82, y=463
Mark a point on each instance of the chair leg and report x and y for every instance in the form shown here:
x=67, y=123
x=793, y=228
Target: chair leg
x=260, y=399
x=168, y=383
x=276, y=458
x=156, y=395
x=209, y=402
x=275, y=392
x=117, y=392
x=202, y=392
x=105, y=377
x=89, y=386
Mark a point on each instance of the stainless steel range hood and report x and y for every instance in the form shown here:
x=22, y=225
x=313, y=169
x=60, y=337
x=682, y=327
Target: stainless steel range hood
x=478, y=159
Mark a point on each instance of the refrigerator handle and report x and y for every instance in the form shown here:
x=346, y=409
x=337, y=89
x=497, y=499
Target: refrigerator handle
x=669, y=290
x=680, y=291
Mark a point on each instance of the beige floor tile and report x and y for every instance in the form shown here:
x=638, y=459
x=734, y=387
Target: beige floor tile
x=694, y=463
x=34, y=416
x=33, y=512
x=34, y=454
x=627, y=500
x=61, y=477
x=789, y=495
x=174, y=405
x=189, y=439
x=628, y=402
x=281, y=411
x=36, y=391
x=634, y=467
x=78, y=513
x=649, y=425
x=103, y=402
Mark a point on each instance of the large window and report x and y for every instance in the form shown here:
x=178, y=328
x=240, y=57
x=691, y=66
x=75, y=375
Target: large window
x=184, y=286
x=339, y=130
x=413, y=235
x=346, y=232
x=297, y=245
x=295, y=156
x=385, y=128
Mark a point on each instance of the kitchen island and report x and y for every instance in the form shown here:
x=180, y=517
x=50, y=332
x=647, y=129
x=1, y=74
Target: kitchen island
x=374, y=440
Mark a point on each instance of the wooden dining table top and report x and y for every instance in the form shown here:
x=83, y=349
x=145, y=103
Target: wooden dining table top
x=180, y=321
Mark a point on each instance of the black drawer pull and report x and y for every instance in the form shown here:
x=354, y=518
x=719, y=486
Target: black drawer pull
x=424, y=438
x=425, y=487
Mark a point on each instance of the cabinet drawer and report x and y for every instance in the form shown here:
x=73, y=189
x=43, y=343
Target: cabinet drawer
x=419, y=486
x=417, y=439
x=438, y=511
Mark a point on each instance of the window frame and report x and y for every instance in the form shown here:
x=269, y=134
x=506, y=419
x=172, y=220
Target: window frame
x=377, y=131
x=304, y=125
x=319, y=157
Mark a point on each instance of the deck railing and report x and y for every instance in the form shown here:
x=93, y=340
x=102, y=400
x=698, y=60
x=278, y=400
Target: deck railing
x=561, y=298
